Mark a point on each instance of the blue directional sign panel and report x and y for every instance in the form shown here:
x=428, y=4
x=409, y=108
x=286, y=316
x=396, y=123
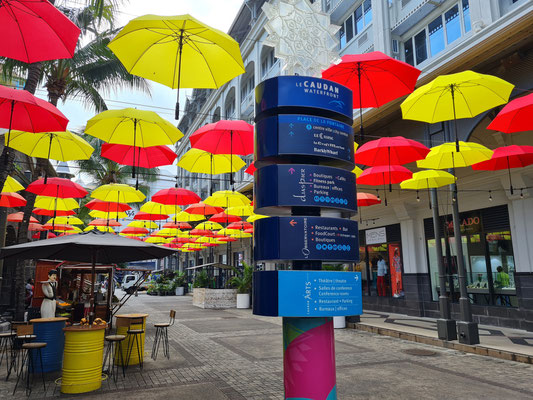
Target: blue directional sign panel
x=301, y=185
x=303, y=95
x=283, y=136
x=306, y=238
x=307, y=293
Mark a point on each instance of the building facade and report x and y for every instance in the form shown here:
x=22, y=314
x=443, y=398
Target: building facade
x=438, y=37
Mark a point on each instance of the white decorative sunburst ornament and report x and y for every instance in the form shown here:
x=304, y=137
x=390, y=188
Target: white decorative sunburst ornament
x=301, y=35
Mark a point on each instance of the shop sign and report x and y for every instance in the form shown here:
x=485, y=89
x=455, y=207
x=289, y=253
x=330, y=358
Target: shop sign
x=300, y=185
x=471, y=223
x=376, y=236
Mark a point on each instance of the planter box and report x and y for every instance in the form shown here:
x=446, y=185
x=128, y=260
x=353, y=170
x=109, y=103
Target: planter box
x=243, y=300
x=214, y=298
x=180, y=291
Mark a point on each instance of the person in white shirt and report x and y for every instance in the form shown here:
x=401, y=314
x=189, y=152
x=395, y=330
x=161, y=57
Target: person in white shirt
x=382, y=271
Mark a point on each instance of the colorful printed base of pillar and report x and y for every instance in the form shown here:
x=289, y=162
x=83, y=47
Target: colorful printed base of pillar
x=309, y=359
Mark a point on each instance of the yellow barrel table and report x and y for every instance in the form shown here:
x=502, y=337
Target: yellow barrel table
x=123, y=324
x=82, y=359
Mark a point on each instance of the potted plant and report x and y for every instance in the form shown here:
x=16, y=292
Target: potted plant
x=243, y=283
x=201, y=280
x=179, y=283
x=160, y=289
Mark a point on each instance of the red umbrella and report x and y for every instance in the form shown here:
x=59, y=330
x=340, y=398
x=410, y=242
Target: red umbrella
x=249, y=230
x=104, y=222
x=367, y=199
x=202, y=209
x=183, y=240
x=35, y=227
x=144, y=216
x=130, y=230
x=12, y=200
x=506, y=158
x=21, y=110
x=374, y=77
x=227, y=239
x=51, y=213
x=177, y=225
x=37, y=31
x=251, y=169
x=384, y=175
x=18, y=216
x=107, y=206
x=515, y=116
x=49, y=235
x=201, y=232
x=171, y=245
x=390, y=150
x=175, y=196
x=240, y=225
x=224, y=218
x=59, y=227
x=57, y=187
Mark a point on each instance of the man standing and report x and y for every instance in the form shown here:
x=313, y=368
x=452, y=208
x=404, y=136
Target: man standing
x=382, y=271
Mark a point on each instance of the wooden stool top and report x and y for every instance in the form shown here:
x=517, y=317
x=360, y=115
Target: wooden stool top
x=135, y=331
x=115, y=338
x=162, y=325
x=8, y=334
x=34, y=345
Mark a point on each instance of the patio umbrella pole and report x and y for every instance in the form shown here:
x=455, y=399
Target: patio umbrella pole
x=177, y=112
x=9, y=130
x=390, y=181
x=93, y=279
x=49, y=150
x=134, y=142
x=510, y=180
x=361, y=132
x=454, y=120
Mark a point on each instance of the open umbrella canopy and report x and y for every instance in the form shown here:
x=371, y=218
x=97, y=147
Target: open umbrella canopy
x=225, y=137
x=65, y=221
x=242, y=225
x=18, y=216
x=250, y=169
x=445, y=156
x=395, y=150
x=132, y=230
x=186, y=217
x=144, y=157
x=100, y=228
x=241, y=211
x=428, y=179
x=227, y=198
x=104, y=222
x=58, y=227
x=151, y=207
x=167, y=232
x=12, y=200
x=94, y=246
x=56, y=187
x=55, y=204
x=155, y=239
x=201, y=232
x=143, y=224
x=37, y=31
x=357, y=171
x=34, y=227
x=50, y=213
x=177, y=225
x=107, y=214
x=144, y=216
x=176, y=196
x=384, y=175
x=107, y=206
x=11, y=185
x=515, y=116
x=209, y=225
x=254, y=217
x=202, y=209
x=203, y=162
x=224, y=218
x=118, y=192
x=61, y=146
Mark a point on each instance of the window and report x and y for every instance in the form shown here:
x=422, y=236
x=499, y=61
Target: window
x=439, y=33
x=230, y=109
x=247, y=87
x=355, y=23
x=267, y=62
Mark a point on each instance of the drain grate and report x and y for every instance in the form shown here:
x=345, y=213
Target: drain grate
x=419, y=352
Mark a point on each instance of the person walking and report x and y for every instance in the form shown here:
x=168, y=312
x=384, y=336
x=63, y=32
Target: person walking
x=382, y=271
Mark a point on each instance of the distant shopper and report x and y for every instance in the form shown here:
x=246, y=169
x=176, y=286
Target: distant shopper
x=382, y=271
x=29, y=291
x=502, y=278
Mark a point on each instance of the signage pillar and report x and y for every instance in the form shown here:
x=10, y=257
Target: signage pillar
x=304, y=157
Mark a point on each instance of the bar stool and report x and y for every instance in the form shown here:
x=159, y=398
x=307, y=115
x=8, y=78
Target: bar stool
x=23, y=334
x=27, y=360
x=114, y=346
x=161, y=335
x=6, y=346
x=134, y=338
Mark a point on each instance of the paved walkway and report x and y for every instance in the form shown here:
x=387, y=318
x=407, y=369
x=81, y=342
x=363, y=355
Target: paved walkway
x=231, y=354
x=502, y=339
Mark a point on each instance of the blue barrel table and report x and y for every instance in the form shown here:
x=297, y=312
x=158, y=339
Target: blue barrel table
x=49, y=331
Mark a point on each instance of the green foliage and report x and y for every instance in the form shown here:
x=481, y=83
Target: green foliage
x=243, y=279
x=180, y=279
x=201, y=280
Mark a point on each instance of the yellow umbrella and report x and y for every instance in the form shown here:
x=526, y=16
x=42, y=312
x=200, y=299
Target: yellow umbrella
x=209, y=225
x=167, y=232
x=100, y=228
x=210, y=240
x=427, y=180
x=12, y=185
x=56, y=203
x=447, y=155
x=131, y=234
x=455, y=96
x=357, y=171
x=68, y=228
x=203, y=162
x=240, y=211
x=152, y=207
x=107, y=214
x=255, y=217
x=143, y=224
x=227, y=198
x=178, y=51
x=117, y=192
x=61, y=146
x=155, y=239
x=68, y=220
x=193, y=246
x=228, y=232
x=240, y=235
x=186, y=217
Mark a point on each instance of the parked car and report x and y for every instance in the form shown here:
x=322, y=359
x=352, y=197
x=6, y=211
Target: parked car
x=129, y=281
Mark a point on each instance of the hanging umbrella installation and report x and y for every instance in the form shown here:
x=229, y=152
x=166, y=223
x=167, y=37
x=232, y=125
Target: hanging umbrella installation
x=18, y=216
x=384, y=175
x=374, y=78
x=135, y=156
x=178, y=52
x=57, y=187
x=446, y=155
x=11, y=185
x=515, y=116
x=366, y=200
x=50, y=213
x=428, y=179
x=12, y=200
x=107, y=206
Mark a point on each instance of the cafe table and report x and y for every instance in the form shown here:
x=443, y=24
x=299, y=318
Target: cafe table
x=124, y=323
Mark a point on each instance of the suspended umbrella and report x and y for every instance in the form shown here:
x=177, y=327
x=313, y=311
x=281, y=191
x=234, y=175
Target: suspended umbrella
x=108, y=214
x=12, y=200
x=18, y=216
x=249, y=230
x=428, y=179
x=171, y=245
x=52, y=227
x=515, y=116
x=144, y=216
x=446, y=155
x=367, y=199
x=151, y=207
x=374, y=78
x=241, y=235
x=208, y=241
x=201, y=232
x=118, y=192
x=56, y=187
x=181, y=239
x=35, y=227
x=155, y=239
x=506, y=158
x=178, y=52
x=241, y=211
x=104, y=222
x=228, y=232
x=242, y=225
x=224, y=218
x=11, y=185
x=142, y=157
x=100, y=228
x=132, y=237
x=143, y=224
x=209, y=225
x=50, y=213
x=451, y=97
x=68, y=233
x=132, y=230
x=254, y=217
x=55, y=206
x=203, y=162
x=65, y=221
x=132, y=127
x=177, y=225
x=60, y=146
x=357, y=171
x=227, y=198
x=167, y=232
x=227, y=239
x=203, y=209
x=250, y=169
x=107, y=206
x=384, y=175
x=175, y=197
x=37, y=31
x=186, y=217
x=49, y=235
x=20, y=110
